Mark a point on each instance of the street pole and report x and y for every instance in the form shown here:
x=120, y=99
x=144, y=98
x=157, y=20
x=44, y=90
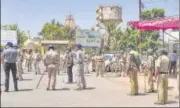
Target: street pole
x=140, y=34
x=179, y=43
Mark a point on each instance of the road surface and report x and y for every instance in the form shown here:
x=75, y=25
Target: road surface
x=109, y=91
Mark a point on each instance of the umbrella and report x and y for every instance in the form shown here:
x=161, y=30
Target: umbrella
x=29, y=44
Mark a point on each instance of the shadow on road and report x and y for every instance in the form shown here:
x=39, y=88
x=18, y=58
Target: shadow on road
x=171, y=102
x=90, y=88
x=27, y=79
x=139, y=94
x=22, y=90
x=170, y=88
x=62, y=89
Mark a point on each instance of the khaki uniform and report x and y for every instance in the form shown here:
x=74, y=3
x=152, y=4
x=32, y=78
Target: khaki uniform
x=19, y=65
x=149, y=67
x=29, y=62
x=37, y=58
x=51, y=59
x=163, y=62
x=86, y=65
x=99, y=66
x=133, y=72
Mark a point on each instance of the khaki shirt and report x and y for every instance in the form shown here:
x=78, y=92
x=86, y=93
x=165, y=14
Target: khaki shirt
x=163, y=63
x=51, y=57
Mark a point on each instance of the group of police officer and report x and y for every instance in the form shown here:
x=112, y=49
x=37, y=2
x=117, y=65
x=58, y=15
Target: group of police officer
x=129, y=63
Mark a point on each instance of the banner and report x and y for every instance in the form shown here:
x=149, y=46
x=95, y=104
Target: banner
x=8, y=36
x=88, y=38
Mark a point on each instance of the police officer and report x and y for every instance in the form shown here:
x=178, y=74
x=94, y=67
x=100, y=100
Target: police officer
x=161, y=73
x=80, y=78
x=19, y=63
x=69, y=65
x=100, y=64
x=36, y=57
x=149, y=67
x=29, y=60
x=51, y=60
x=132, y=69
x=10, y=58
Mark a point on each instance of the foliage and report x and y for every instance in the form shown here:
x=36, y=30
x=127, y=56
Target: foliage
x=21, y=35
x=150, y=38
x=52, y=30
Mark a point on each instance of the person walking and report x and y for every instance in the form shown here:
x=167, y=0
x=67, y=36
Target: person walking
x=69, y=66
x=161, y=73
x=51, y=60
x=10, y=58
x=80, y=77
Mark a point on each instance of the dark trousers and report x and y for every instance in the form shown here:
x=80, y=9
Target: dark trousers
x=13, y=68
x=70, y=74
x=172, y=66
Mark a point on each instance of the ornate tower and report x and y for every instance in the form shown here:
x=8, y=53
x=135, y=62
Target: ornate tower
x=69, y=21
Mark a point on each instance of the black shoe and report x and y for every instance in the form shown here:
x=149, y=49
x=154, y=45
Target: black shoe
x=6, y=90
x=16, y=90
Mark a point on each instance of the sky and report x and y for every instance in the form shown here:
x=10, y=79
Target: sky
x=33, y=14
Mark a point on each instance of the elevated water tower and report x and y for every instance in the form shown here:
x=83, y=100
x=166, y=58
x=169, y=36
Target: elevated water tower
x=108, y=16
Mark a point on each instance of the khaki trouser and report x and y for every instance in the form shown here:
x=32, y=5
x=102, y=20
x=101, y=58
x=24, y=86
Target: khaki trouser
x=52, y=70
x=134, y=82
x=100, y=69
x=162, y=88
x=80, y=78
x=36, y=67
x=20, y=70
x=150, y=86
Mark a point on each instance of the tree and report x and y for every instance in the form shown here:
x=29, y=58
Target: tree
x=21, y=35
x=52, y=30
x=150, y=38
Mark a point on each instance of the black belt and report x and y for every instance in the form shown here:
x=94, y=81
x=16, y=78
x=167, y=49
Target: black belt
x=163, y=72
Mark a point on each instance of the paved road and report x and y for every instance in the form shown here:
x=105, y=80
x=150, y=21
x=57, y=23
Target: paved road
x=100, y=92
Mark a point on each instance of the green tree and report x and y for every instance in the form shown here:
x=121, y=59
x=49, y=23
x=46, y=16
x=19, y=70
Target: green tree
x=52, y=30
x=150, y=38
x=21, y=35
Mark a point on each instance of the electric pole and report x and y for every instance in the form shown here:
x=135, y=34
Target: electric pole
x=140, y=37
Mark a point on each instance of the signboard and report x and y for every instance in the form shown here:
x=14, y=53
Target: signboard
x=109, y=13
x=8, y=36
x=88, y=38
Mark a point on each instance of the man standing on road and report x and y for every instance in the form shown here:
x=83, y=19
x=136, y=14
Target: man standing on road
x=161, y=73
x=100, y=65
x=19, y=63
x=36, y=57
x=133, y=68
x=149, y=67
x=51, y=60
x=10, y=58
x=69, y=65
x=29, y=60
x=173, y=61
x=80, y=78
